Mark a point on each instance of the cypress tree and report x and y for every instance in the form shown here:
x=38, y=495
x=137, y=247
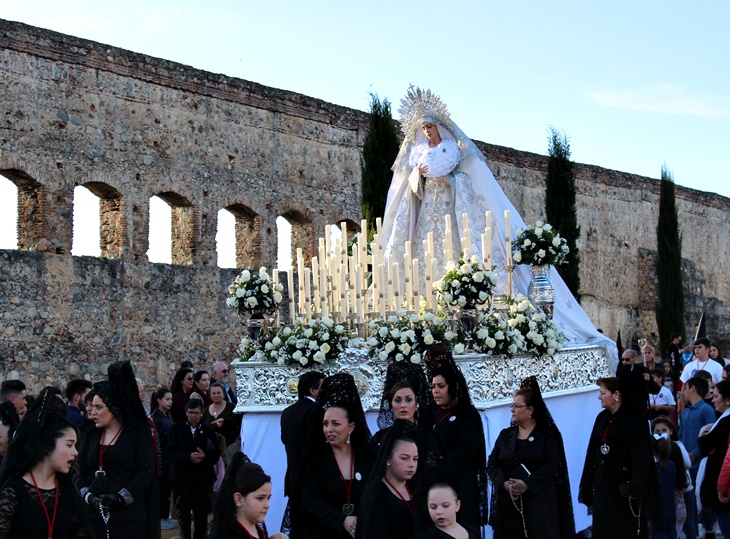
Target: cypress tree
x=379, y=151
x=560, y=209
x=670, y=300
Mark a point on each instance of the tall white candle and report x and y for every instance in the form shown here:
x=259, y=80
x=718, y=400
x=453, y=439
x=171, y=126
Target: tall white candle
x=275, y=276
x=467, y=242
x=315, y=297
x=429, y=281
x=378, y=225
x=508, y=236
x=343, y=227
x=449, y=240
x=408, y=248
x=416, y=285
x=485, y=254
x=290, y=291
x=408, y=296
x=488, y=216
x=343, y=290
x=465, y=220
x=488, y=248
x=381, y=280
x=447, y=253
x=426, y=252
x=328, y=248
x=307, y=293
x=321, y=252
x=323, y=291
x=389, y=294
x=358, y=292
x=429, y=239
x=396, y=285
x=436, y=277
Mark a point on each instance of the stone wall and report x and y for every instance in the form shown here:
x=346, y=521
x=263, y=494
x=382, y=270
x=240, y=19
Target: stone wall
x=129, y=127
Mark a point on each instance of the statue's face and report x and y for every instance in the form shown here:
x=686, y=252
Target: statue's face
x=432, y=132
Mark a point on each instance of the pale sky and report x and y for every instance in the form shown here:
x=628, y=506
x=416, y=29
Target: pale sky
x=633, y=84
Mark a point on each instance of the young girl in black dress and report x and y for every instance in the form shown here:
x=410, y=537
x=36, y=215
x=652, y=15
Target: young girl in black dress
x=443, y=505
x=243, y=502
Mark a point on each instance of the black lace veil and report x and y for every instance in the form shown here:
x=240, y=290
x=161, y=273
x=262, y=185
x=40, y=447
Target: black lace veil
x=440, y=362
x=407, y=373
x=121, y=395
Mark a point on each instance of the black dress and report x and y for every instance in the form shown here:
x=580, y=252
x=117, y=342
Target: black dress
x=541, y=453
x=392, y=517
x=626, y=469
x=459, y=438
x=434, y=533
x=324, y=493
x=713, y=445
x=130, y=468
x=22, y=517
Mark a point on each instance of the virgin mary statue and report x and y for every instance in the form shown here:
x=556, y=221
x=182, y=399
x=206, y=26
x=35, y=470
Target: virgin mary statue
x=439, y=171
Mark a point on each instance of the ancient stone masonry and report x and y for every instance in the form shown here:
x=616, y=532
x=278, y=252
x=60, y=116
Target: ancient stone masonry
x=129, y=127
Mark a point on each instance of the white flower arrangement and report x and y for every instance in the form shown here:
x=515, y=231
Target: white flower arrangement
x=540, y=334
x=403, y=337
x=494, y=336
x=254, y=293
x=539, y=245
x=466, y=284
x=306, y=344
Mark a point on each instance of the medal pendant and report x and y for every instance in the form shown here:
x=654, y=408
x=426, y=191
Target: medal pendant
x=348, y=509
x=605, y=449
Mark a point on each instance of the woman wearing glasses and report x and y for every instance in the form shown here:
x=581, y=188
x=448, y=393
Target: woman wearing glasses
x=529, y=473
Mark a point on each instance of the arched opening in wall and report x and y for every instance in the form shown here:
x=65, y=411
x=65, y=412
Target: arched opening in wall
x=85, y=223
x=302, y=235
x=8, y=214
x=173, y=229
x=23, y=212
x=283, y=244
x=246, y=234
x=160, y=232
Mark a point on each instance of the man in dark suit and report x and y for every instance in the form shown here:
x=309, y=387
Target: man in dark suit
x=295, y=423
x=640, y=382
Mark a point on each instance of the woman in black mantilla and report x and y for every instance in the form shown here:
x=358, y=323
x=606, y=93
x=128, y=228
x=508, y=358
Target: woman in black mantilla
x=118, y=464
x=529, y=473
x=388, y=508
x=459, y=434
x=335, y=464
x=38, y=498
x=619, y=482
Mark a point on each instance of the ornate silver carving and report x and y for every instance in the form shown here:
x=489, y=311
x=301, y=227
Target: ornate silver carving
x=266, y=387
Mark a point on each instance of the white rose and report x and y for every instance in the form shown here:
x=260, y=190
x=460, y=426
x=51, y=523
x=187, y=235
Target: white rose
x=459, y=349
x=326, y=336
x=383, y=355
x=232, y=302
x=556, y=241
x=372, y=324
x=428, y=339
x=517, y=256
x=276, y=341
x=465, y=269
x=499, y=335
x=399, y=357
x=395, y=333
x=541, y=253
x=279, y=287
x=240, y=292
x=400, y=313
x=245, y=276
x=547, y=227
x=490, y=342
x=539, y=339
x=372, y=342
x=483, y=296
x=392, y=319
x=405, y=348
x=538, y=232
x=303, y=360
x=297, y=355
x=339, y=329
x=478, y=277
x=277, y=297
x=512, y=349
x=449, y=335
x=308, y=332
x=482, y=334
x=448, y=298
x=461, y=301
x=416, y=358
x=325, y=348
x=264, y=289
x=383, y=331
x=286, y=331
x=389, y=347
x=526, y=243
x=523, y=305
x=251, y=302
